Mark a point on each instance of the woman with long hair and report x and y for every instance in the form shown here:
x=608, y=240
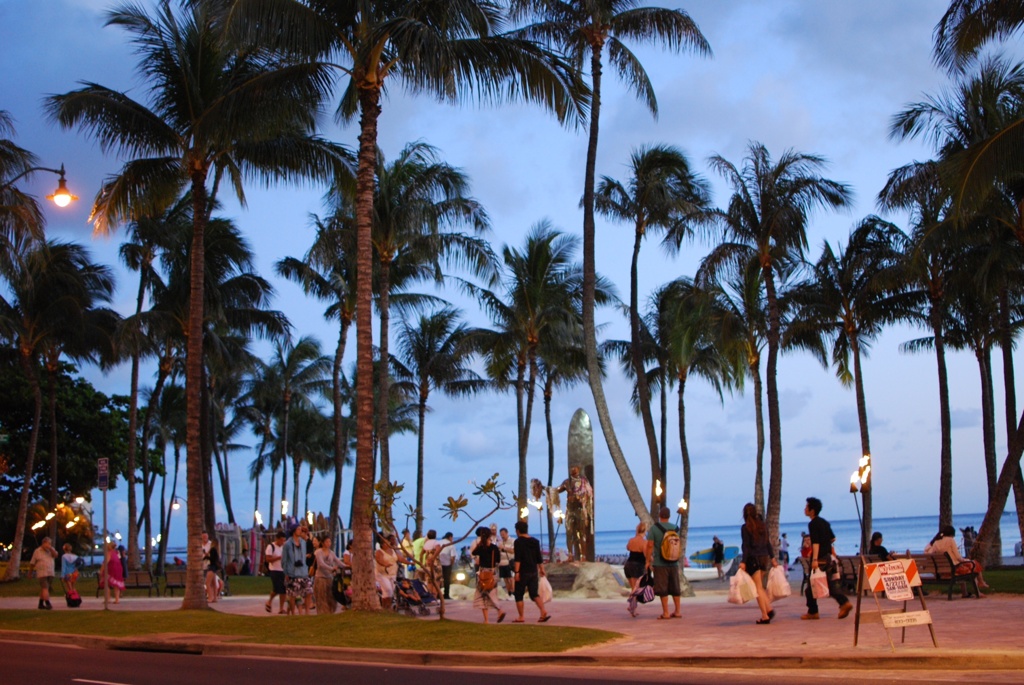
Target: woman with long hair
x=945, y=541
x=486, y=596
x=115, y=571
x=327, y=565
x=212, y=573
x=758, y=558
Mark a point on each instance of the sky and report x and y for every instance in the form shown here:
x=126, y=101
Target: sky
x=823, y=78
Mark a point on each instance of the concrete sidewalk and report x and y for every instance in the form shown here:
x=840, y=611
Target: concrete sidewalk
x=985, y=634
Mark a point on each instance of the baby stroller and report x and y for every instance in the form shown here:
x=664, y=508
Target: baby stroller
x=72, y=597
x=408, y=599
x=341, y=587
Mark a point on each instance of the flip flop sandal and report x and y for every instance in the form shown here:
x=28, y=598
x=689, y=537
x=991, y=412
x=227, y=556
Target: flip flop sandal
x=544, y=619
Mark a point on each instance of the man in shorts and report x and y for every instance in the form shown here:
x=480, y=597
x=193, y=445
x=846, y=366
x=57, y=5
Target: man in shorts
x=529, y=567
x=506, y=546
x=666, y=573
x=42, y=564
x=273, y=554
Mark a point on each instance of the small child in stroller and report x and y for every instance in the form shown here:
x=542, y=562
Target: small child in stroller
x=407, y=597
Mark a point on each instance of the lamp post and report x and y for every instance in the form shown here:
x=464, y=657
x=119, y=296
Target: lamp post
x=559, y=518
x=859, y=481
x=61, y=197
x=680, y=510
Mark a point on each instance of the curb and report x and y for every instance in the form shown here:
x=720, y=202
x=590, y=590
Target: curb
x=927, y=661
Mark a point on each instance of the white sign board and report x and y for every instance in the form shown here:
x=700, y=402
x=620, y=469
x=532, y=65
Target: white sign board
x=897, y=587
x=910, y=618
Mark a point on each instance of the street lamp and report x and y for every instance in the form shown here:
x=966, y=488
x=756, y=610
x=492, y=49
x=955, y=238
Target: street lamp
x=61, y=197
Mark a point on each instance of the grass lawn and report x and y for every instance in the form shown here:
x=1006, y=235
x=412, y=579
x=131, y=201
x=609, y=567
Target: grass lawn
x=351, y=629
x=27, y=587
x=1007, y=579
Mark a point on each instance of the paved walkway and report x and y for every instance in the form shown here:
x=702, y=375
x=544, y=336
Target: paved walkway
x=972, y=633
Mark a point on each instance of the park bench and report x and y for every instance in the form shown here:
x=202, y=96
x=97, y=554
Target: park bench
x=848, y=566
x=939, y=569
x=134, y=580
x=173, y=580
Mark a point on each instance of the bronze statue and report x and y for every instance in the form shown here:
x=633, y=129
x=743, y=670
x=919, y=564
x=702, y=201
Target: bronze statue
x=579, y=514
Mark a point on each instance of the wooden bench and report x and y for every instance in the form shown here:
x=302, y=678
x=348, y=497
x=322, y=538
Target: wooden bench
x=848, y=566
x=939, y=569
x=173, y=580
x=134, y=580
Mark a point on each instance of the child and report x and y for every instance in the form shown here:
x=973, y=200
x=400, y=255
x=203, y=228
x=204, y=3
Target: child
x=69, y=569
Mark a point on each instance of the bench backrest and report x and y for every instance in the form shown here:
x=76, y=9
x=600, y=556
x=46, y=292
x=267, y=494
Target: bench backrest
x=139, y=578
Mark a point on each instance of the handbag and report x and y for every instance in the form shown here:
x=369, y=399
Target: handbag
x=485, y=580
x=819, y=584
x=778, y=584
x=645, y=589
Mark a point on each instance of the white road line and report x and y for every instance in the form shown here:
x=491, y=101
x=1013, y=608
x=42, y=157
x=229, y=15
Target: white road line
x=96, y=682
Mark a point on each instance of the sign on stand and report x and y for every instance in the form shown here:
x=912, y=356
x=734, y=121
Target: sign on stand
x=895, y=581
x=103, y=473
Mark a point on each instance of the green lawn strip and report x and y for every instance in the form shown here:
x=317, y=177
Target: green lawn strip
x=1005, y=580
x=28, y=587
x=354, y=629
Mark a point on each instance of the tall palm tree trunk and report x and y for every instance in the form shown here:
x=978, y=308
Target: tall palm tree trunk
x=162, y=543
x=945, y=450
x=774, y=421
x=684, y=520
x=163, y=371
x=195, y=590
x=755, y=373
x=364, y=595
x=589, y=293
x=14, y=568
x=663, y=401
x=988, y=424
x=133, y=417
x=1010, y=395
x=521, y=444
x=272, y=510
x=548, y=394
x=284, y=449
x=531, y=388
x=424, y=391
x=51, y=377
x=384, y=381
x=865, y=443
x=340, y=448
x=642, y=389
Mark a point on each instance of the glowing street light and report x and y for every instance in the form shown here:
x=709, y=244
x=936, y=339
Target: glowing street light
x=61, y=197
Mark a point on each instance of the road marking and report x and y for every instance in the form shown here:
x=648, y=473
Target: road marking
x=96, y=682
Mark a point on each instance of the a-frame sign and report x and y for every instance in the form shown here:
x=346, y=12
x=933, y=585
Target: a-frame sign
x=895, y=581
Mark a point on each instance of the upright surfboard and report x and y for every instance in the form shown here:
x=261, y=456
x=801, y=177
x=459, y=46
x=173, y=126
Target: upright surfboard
x=581, y=454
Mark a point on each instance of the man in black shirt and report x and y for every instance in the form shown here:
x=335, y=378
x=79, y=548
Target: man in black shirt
x=529, y=567
x=821, y=559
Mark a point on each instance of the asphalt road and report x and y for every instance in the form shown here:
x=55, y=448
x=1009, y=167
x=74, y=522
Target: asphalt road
x=24, y=663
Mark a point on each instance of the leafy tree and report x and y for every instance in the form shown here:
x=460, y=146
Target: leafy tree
x=20, y=215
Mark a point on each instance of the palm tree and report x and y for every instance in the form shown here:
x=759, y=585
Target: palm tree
x=968, y=25
x=302, y=369
x=450, y=50
x=417, y=201
x=741, y=334
x=845, y=304
x=435, y=354
x=693, y=352
x=582, y=29
x=52, y=295
x=660, y=195
x=540, y=298
x=766, y=221
x=260, y=405
x=327, y=272
x=169, y=431
x=218, y=108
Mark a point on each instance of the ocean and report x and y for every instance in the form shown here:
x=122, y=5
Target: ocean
x=900, y=534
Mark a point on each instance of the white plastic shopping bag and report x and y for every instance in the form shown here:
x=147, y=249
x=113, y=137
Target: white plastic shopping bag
x=742, y=588
x=819, y=584
x=778, y=584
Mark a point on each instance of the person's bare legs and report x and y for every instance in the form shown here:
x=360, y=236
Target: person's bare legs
x=763, y=602
x=664, y=606
x=679, y=612
x=540, y=605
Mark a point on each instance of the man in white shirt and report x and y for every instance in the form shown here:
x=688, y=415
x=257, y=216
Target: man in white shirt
x=507, y=547
x=447, y=558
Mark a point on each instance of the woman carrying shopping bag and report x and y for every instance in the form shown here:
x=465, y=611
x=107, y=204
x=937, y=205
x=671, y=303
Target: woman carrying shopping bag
x=758, y=558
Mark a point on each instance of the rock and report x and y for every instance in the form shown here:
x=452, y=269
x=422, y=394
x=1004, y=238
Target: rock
x=589, y=580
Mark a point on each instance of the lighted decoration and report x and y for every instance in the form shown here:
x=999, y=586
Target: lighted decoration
x=117, y=535
x=854, y=481
x=258, y=516
x=658, y=489
x=79, y=500
x=683, y=506
x=309, y=517
x=50, y=516
x=559, y=515
x=176, y=505
x=70, y=524
x=284, y=508
x=460, y=577
x=38, y=525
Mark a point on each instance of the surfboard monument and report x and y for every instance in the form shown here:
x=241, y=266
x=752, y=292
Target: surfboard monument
x=579, y=489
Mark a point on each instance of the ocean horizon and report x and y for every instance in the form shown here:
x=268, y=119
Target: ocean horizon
x=899, y=533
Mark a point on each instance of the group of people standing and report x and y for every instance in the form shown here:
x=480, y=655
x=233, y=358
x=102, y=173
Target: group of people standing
x=525, y=568
x=302, y=570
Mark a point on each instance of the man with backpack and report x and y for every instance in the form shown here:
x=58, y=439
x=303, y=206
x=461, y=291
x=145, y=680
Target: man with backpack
x=663, y=550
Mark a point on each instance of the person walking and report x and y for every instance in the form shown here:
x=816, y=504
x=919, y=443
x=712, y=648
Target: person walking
x=666, y=571
x=42, y=563
x=447, y=558
x=506, y=545
x=758, y=558
x=273, y=554
x=327, y=565
x=635, y=567
x=114, y=571
x=486, y=595
x=821, y=536
x=718, y=556
x=528, y=566
x=213, y=569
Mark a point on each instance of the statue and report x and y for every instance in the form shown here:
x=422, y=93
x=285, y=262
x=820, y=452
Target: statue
x=579, y=514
